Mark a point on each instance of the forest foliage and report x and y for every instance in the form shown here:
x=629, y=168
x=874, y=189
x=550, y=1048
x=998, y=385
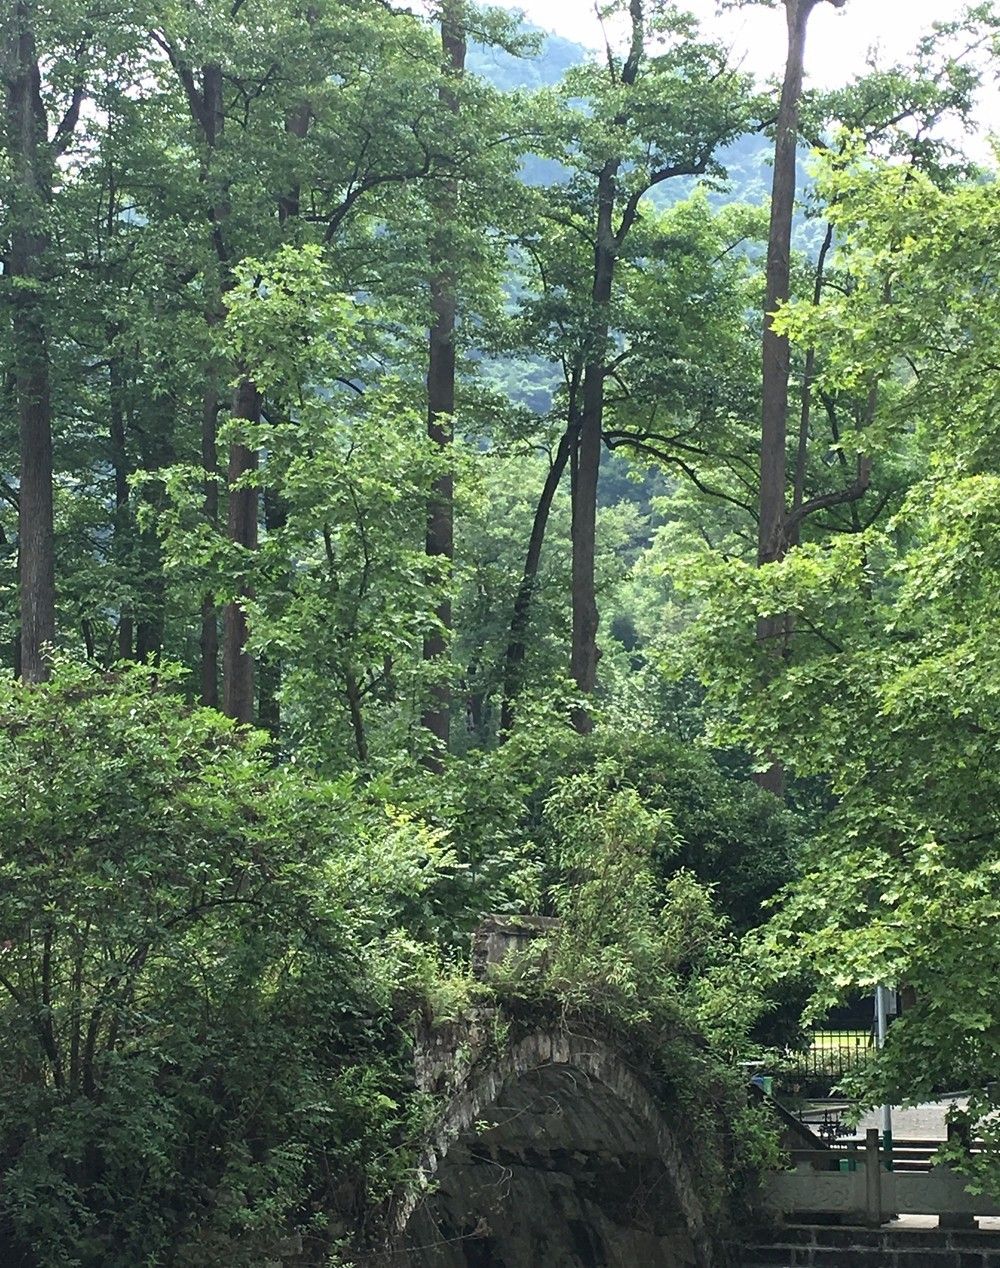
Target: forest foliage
x=381, y=547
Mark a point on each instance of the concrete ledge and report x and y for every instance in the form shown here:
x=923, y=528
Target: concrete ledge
x=937, y=1192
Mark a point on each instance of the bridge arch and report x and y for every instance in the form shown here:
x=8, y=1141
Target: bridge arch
x=550, y=1153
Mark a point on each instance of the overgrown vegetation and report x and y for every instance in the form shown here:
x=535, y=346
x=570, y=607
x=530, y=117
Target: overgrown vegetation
x=212, y=964
x=384, y=544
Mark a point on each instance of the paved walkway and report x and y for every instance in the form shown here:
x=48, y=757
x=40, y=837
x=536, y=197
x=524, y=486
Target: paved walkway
x=989, y=1223
x=917, y=1122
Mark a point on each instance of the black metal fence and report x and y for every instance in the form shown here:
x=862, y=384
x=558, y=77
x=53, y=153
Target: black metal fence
x=828, y=1060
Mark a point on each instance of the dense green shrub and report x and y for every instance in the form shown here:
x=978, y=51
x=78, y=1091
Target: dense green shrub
x=198, y=958
x=724, y=831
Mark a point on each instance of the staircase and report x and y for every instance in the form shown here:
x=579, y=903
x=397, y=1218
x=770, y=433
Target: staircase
x=822, y=1246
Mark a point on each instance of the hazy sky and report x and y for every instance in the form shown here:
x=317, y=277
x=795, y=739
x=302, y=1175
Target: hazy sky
x=838, y=39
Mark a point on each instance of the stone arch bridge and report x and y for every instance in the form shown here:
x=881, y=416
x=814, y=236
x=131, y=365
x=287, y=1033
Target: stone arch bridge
x=550, y=1152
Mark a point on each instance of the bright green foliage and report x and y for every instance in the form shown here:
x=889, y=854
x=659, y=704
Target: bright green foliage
x=205, y=957
x=653, y=951
x=502, y=813
x=349, y=466
x=658, y=132
x=889, y=685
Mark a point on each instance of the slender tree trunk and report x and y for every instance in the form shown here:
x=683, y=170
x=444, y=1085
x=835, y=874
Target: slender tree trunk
x=27, y=147
x=207, y=112
x=475, y=701
x=586, y=455
x=775, y=526
x=149, y=632
x=357, y=715
x=440, y=519
x=238, y=667
x=268, y=667
x=297, y=123
x=584, y=653
x=156, y=453
x=772, y=542
x=119, y=461
x=514, y=657
x=209, y=116
x=209, y=615
x=441, y=398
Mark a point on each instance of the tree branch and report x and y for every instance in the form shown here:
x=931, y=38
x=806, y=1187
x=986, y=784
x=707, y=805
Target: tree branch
x=613, y=440
x=186, y=75
x=840, y=497
x=67, y=124
x=630, y=215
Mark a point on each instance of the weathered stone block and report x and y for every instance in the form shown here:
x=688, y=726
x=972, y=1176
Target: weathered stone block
x=850, y=1257
x=849, y=1236
x=496, y=936
x=977, y=1239
x=925, y=1259
x=797, y=1235
x=770, y=1257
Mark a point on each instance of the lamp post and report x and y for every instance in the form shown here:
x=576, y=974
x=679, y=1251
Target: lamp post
x=881, y=1027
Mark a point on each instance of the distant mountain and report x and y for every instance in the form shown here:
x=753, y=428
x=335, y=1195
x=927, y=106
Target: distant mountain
x=747, y=161
x=507, y=72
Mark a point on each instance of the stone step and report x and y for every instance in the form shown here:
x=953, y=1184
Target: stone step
x=777, y=1257
x=814, y=1246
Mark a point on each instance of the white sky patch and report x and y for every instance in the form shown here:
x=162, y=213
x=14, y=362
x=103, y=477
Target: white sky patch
x=839, y=39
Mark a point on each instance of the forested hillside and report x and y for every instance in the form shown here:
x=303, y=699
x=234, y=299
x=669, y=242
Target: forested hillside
x=438, y=478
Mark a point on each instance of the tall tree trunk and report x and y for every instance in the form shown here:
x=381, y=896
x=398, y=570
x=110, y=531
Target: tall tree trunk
x=275, y=511
x=441, y=396
x=514, y=657
x=27, y=147
x=586, y=455
x=440, y=512
x=208, y=114
x=237, y=663
x=150, y=626
x=584, y=652
x=297, y=123
x=771, y=544
x=773, y=524
x=242, y=502
x=158, y=452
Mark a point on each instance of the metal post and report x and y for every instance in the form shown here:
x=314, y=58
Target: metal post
x=873, y=1180
x=881, y=1023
